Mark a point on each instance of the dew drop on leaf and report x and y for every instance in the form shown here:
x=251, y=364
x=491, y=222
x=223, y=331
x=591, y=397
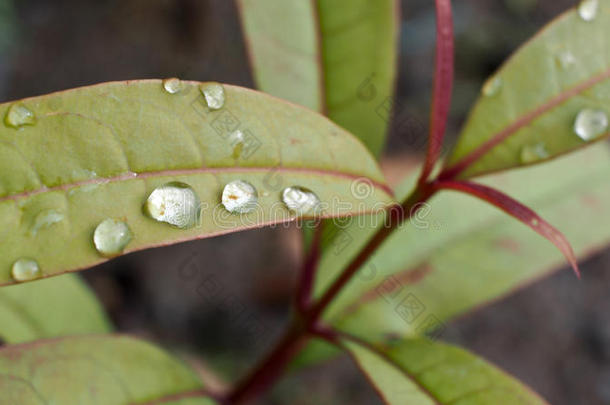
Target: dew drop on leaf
x=300, y=199
x=174, y=203
x=111, y=237
x=492, y=86
x=18, y=115
x=172, y=85
x=533, y=153
x=587, y=9
x=239, y=197
x=25, y=269
x=214, y=95
x=45, y=219
x=590, y=124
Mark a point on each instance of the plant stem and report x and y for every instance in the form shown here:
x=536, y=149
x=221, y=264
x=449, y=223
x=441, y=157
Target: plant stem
x=306, y=322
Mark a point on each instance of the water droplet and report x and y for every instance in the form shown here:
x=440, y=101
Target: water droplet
x=587, y=9
x=18, y=115
x=239, y=197
x=214, y=95
x=300, y=199
x=565, y=59
x=172, y=85
x=533, y=153
x=25, y=270
x=174, y=203
x=111, y=236
x=45, y=219
x=590, y=124
x=492, y=86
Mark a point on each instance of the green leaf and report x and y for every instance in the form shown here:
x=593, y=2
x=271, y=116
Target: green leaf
x=95, y=370
x=459, y=253
x=98, y=152
x=533, y=101
x=49, y=308
x=333, y=56
x=282, y=43
x=424, y=372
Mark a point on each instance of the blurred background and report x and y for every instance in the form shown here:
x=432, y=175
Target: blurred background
x=554, y=335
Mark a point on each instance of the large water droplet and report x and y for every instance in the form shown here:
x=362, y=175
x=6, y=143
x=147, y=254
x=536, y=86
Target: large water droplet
x=587, y=9
x=565, y=59
x=19, y=115
x=45, y=219
x=492, y=86
x=534, y=153
x=300, y=199
x=590, y=124
x=174, y=203
x=239, y=197
x=111, y=236
x=172, y=85
x=214, y=95
x=25, y=269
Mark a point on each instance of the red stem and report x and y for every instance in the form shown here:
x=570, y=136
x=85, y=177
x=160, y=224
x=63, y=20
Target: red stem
x=443, y=85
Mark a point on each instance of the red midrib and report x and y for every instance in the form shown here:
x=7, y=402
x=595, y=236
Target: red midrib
x=128, y=176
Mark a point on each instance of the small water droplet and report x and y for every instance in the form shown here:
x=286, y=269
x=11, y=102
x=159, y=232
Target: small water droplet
x=533, y=153
x=587, y=9
x=492, y=86
x=565, y=59
x=590, y=124
x=172, y=85
x=111, y=236
x=239, y=197
x=19, y=115
x=45, y=219
x=300, y=199
x=214, y=95
x=25, y=269
x=174, y=203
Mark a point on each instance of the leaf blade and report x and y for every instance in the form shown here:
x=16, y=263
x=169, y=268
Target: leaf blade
x=354, y=63
x=426, y=372
x=50, y=308
x=286, y=66
x=134, y=137
x=120, y=370
x=558, y=73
